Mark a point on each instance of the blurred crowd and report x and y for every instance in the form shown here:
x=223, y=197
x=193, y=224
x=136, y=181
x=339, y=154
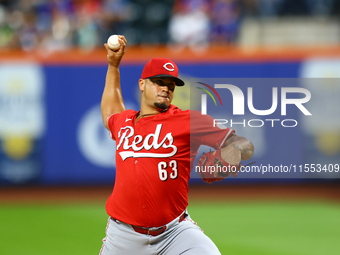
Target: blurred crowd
x=62, y=24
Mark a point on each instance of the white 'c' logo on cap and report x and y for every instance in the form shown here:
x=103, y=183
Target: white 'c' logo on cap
x=171, y=68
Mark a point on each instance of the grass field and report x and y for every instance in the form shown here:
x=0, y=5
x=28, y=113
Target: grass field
x=252, y=228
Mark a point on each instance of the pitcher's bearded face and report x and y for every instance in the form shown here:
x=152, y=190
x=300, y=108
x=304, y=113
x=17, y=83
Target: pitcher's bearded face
x=160, y=91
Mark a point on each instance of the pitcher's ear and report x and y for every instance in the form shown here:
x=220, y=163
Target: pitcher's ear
x=141, y=83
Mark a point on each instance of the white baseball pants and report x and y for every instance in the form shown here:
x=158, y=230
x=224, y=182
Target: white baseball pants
x=183, y=237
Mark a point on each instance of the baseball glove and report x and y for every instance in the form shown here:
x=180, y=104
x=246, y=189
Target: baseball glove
x=211, y=167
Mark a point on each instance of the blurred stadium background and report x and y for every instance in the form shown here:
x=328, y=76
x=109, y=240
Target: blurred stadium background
x=57, y=161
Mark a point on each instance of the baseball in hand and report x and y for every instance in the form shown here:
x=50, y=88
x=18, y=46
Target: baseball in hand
x=113, y=42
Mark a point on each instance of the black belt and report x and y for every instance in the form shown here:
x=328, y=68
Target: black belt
x=152, y=231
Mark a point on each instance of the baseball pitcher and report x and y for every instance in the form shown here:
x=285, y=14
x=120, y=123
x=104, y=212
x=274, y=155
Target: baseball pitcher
x=155, y=151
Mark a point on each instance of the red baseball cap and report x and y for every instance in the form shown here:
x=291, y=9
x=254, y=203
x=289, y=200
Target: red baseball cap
x=161, y=67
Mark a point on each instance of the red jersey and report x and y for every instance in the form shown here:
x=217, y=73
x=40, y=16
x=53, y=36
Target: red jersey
x=153, y=163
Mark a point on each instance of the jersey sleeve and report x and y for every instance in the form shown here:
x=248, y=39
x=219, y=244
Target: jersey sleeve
x=111, y=125
x=203, y=131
